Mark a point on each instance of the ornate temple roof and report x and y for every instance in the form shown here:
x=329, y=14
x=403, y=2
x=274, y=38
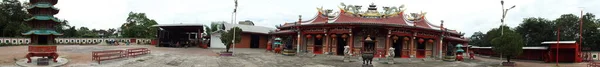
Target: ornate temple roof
x=350, y=15
x=43, y=17
x=42, y=32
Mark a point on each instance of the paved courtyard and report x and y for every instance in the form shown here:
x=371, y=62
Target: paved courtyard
x=80, y=56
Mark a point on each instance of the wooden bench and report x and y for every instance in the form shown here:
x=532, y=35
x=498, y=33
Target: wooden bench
x=42, y=51
x=107, y=55
x=137, y=51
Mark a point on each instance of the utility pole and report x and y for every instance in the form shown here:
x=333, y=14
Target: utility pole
x=233, y=23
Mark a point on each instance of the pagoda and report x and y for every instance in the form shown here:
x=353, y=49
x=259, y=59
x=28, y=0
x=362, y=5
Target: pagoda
x=42, y=22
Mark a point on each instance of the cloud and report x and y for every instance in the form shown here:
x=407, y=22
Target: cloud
x=466, y=16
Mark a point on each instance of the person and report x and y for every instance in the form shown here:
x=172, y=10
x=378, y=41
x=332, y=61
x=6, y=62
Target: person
x=268, y=46
x=471, y=55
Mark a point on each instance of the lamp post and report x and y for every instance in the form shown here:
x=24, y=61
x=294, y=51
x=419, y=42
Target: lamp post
x=502, y=20
x=233, y=23
x=504, y=11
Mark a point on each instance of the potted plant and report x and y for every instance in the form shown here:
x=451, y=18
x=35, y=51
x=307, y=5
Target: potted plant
x=227, y=37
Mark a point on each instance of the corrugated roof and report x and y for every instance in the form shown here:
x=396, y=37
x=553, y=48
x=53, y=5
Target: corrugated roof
x=561, y=42
x=249, y=28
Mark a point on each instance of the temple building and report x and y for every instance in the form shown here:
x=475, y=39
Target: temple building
x=412, y=35
x=42, y=22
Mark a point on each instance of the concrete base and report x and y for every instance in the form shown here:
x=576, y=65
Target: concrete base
x=390, y=62
x=346, y=60
x=23, y=62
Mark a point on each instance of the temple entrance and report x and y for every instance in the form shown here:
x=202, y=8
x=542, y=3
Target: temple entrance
x=42, y=40
x=397, y=45
x=318, y=48
x=340, y=45
x=254, y=41
x=421, y=48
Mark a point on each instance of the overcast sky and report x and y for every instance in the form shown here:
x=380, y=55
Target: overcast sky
x=466, y=16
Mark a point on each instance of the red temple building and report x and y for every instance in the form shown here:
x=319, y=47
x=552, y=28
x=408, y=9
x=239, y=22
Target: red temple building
x=42, y=22
x=412, y=35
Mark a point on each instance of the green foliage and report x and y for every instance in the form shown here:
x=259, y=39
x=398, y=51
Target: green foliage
x=138, y=26
x=536, y=30
x=12, y=15
x=227, y=37
x=214, y=26
x=510, y=44
x=569, y=27
x=478, y=39
x=493, y=33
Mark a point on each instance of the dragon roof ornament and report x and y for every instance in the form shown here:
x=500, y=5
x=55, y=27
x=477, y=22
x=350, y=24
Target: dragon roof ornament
x=372, y=12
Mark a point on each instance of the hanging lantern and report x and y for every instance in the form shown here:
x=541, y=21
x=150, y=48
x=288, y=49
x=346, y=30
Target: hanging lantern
x=430, y=41
x=421, y=40
x=395, y=38
x=308, y=36
x=333, y=36
x=406, y=38
x=344, y=36
x=319, y=36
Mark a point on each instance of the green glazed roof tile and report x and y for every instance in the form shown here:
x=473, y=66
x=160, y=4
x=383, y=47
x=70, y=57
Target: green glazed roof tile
x=42, y=32
x=43, y=17
x=42, y=5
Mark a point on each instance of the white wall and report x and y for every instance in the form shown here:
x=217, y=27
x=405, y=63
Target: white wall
x=215, y=41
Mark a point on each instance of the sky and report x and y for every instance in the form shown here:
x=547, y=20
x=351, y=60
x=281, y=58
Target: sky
x=467, y=16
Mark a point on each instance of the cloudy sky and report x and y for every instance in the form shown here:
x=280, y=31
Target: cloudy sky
x=466, y=16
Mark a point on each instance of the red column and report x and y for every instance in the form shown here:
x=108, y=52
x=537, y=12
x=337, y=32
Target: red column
x=351, y=43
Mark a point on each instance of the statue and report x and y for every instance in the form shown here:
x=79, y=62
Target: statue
x=347, y=53
x=390, y=55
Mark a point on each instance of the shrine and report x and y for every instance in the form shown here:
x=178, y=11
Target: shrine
x=412, y=35
x=42, y=22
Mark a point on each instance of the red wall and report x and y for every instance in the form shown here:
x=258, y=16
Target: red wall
x=245, y=42
x=246, y=38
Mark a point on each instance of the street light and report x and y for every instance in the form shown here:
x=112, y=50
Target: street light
x=504, y=11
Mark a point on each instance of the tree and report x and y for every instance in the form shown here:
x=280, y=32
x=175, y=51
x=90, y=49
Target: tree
x=569, y=27
x=590, y=31
x=478, y=39
x=536, y=30
x=214, y=26
x=510, y=44
x=12, y=15
x=227, y=37
x=139, y=26
x=493, y=33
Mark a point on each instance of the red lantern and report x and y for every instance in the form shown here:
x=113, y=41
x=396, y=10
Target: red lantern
x=333, y=36
x=430, y=41
x=319, y=36
x=345, y=36
x=395, y=38
x=308, y=36
x=421, y=40
x=406, y=38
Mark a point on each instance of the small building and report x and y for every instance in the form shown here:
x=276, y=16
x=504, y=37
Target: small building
x=179, y=35
x=252, y=36
x=568, y=51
